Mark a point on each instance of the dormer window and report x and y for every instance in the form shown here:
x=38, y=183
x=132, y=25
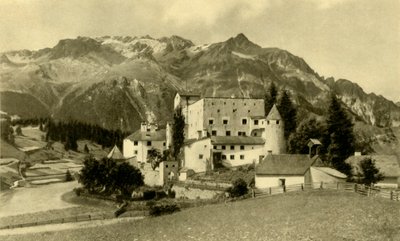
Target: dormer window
x=255, y=122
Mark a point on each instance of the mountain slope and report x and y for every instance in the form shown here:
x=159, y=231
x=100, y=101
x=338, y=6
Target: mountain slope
x=107, y=79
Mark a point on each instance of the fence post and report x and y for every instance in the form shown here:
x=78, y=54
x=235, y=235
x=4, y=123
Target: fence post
x=302, y=187
x=321, y=185
x=284, y=188
x=337, y=186
x=369, y=191
x=270, y=191
x=391, y=195
x=355, y=187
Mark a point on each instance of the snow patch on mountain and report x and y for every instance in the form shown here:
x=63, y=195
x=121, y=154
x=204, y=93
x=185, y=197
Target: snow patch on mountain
x=244, y=56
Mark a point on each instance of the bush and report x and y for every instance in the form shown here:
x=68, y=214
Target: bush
x=148, y=195
x=78, y=191
x=160, y=209
x=68, y=176
x=238, y=189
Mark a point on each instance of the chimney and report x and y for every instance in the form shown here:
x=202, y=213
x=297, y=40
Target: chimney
x=269, y=152
x=143, y=127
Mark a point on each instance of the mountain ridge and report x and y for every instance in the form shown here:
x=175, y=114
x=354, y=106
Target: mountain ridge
x=71, y=79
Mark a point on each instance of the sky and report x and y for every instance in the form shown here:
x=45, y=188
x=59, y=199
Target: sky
x=357, y=40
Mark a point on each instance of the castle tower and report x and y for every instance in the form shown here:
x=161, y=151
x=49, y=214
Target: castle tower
x=274, y=132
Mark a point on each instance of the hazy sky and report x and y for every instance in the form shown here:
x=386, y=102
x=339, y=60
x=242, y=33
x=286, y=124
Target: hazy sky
x=354, y=39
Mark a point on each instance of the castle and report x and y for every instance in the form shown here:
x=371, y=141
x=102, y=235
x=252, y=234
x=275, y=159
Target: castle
x=219, y=131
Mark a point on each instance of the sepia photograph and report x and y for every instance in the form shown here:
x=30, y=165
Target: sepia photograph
x=270, y=120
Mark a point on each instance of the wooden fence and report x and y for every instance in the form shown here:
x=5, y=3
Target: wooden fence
x=353, y=187
x=73, y=219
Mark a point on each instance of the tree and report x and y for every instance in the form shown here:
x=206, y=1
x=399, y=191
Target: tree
x=288, y=113
x=68, y=176
x=18, y=131
x=270, y=97
x=369, y=173
x=108, y=177
x=308, y=128
x=178, y=135
x=154, y=157
x=340, y=136
x=239, y=188
x=86, y=149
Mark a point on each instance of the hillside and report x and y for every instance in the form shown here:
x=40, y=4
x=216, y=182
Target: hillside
x=316, y=215
x=121, y=81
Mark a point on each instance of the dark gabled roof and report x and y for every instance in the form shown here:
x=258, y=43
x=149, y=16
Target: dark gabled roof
x=237, y=140
x=193, y=140
x=387, y=164
x=188, y=94
x=285, y=164
x=274, y=114
x=115, y=154
x=331, y=172
x=259, y=117
x=138, y=135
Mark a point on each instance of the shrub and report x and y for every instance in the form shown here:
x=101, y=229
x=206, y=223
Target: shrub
x=160, y=209
x=78, y=191
x=239, y=188
x=68, y=176
x=148, y=195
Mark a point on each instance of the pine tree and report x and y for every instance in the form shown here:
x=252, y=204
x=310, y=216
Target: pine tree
x=369, y=173
x=270, y=97
x=178, y=135
x=288, y=113
x=340, y=136
x=86, y=149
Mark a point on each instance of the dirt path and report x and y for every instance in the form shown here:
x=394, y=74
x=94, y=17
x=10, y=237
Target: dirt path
x=35, y=199
x=65, y=226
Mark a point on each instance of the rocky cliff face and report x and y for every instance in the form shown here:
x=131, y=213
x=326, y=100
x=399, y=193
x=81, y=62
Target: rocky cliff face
x=121, y=81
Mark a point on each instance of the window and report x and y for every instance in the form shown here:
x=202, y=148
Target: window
x=200, y=156
x=135, y=152
x=255, y=122
x=224, y=103
x=210, y=121
x=225, y=122
x=212, y=103
x=149, y=143
x=173, y=165
x=244, y=121
x=135, y=143
x=232, y=157
x=234, y=110
x=205, y=146
x=215, y=147
x=228, y=133
x=277, y=122
x=148, y=129
x=166, y=165
x=163, y=144
x=267, y=122
x=223, y=147
x=213, y=133
x=241, y=147
x=232, y=147
x=244, y=103
x=218, y=111
x=241, y=157
x=223, y=157
x=241, y=133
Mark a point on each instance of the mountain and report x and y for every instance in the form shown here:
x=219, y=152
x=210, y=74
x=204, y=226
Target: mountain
x=117, y=81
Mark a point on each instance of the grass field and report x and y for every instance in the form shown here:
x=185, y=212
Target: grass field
x=314, y=215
